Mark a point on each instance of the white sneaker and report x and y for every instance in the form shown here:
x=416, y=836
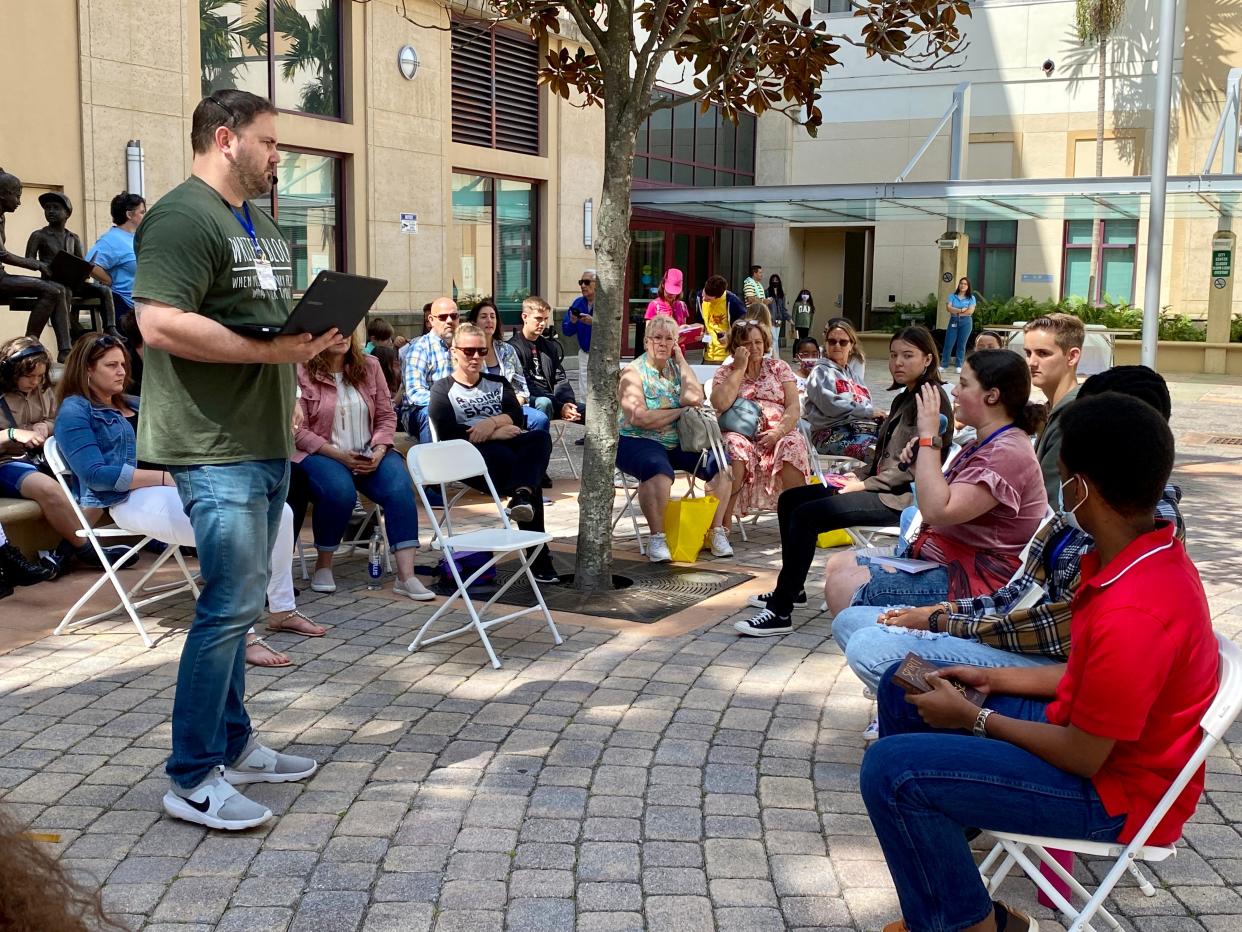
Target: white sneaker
x=414, y=589
x=258, y=763
x=215, y=804
x=719, y=540
x=657, y=549
x=323, y=581
x=872, y=731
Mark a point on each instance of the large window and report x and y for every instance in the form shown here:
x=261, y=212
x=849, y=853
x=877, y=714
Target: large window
x=495, y=88
x=493, y=243
x=307, y=209
x=288, y=51
x=991, y=257
x=682, y=146
x=1118, y=250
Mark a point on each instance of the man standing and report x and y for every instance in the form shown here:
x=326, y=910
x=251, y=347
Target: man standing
x=752, y=288
x=216, y=409
x=113, y=253
x=1053, y=346
x=577, y=323
x=427, y=362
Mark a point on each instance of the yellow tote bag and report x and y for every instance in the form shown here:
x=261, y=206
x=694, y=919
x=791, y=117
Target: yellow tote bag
x=830, y=539
x=686, y=521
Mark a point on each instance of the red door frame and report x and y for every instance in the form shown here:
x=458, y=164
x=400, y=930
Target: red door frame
x=670, y=227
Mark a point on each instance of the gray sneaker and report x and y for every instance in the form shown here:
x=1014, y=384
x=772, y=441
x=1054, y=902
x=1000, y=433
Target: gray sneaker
x=215, y=804
x=258, y=763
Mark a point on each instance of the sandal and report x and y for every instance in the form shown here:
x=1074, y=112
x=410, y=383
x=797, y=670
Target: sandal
x=295, y=623
x=272, y=657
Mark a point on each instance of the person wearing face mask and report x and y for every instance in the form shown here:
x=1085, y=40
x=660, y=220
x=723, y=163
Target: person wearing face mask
x=806, y=355
x=803, y=313
x=1084, y=749
x=1026, y=622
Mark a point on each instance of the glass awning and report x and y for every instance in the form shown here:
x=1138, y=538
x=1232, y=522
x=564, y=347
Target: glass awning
x=1189, y=196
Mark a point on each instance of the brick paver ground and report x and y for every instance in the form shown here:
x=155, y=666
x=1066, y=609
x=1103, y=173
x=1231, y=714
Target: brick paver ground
x=620, y=781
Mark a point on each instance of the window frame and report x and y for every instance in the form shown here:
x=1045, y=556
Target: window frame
x=341, y=179
x=536, y=225
x=984, y=244
x=1096, y=300
x=642, y=149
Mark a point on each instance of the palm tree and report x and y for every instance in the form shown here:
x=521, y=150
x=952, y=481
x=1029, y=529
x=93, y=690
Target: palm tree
x=216, y=46
x=311, y=47
x=1097, y=21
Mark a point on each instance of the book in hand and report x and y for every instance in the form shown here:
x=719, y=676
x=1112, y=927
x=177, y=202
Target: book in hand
x=912, y=677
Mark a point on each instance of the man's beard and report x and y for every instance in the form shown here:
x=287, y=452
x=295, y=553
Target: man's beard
x=251, y=182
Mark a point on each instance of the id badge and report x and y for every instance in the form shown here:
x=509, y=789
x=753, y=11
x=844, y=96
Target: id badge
x=267, y=277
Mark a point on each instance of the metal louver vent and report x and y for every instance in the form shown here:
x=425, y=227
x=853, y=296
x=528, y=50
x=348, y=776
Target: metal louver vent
x=495, y=88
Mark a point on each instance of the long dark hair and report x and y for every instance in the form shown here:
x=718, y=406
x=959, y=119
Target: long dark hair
x=970, y=292
x=355, y=370
x=921, y=338
x=1008, y=373
x=472, y=317
x=775, y=288
x=810, y=298
x=76, y=377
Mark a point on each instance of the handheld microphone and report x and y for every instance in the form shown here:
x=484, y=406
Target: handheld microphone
x=941, y=429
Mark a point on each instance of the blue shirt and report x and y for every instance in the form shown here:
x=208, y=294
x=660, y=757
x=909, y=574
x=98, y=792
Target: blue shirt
x=957, y=302
x=114, y=253
x=570, y=326
x=99, y=446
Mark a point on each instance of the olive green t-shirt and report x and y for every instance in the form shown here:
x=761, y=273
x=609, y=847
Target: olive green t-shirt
x=195, y=254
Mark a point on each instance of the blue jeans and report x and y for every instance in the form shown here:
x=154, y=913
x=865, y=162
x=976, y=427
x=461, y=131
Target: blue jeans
x=536, y=418
x=235, y=512
x=872, y=648
x=334, y=490
x=898, y=587
x=956, y=335
x=924, y=787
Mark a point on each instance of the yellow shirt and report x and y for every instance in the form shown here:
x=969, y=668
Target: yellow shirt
x=716, y=324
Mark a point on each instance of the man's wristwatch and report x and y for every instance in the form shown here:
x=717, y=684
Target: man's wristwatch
x=981, y=721
x=934, y=442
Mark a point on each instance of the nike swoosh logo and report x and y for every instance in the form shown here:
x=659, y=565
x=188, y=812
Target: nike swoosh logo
x=201, y=807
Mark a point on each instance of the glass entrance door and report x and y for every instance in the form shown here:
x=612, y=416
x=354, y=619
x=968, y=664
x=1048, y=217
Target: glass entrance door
x=646, y=268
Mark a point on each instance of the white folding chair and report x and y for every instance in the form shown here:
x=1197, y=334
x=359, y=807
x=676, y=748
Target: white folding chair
x=370, y=511
x=558, y=437
x=94, y=536
x=1012, y=849
x=455, y=461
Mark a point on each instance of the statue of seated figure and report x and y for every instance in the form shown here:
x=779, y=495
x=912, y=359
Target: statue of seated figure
x=51, y=301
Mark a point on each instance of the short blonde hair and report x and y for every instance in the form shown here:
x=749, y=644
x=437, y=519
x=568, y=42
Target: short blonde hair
x=741, y=330
x=535, y=303
x=469, y=330
x=660, y=322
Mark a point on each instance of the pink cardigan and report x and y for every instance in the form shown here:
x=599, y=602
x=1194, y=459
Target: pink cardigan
x=318, y=404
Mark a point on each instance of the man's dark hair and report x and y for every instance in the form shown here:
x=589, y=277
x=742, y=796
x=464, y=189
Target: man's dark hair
x=1136, y=381
x=123, y=203
x=754, y=269
x=1122, y=445
x=379, y=329
x=230, y=108
x=715, y=286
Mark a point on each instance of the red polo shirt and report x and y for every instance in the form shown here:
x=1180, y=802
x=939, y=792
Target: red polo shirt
x=1143, y=669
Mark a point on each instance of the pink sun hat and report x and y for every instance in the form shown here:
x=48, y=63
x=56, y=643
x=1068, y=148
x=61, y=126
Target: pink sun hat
x=673, y=282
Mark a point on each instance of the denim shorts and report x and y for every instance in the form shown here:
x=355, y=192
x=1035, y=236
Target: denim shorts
x=897, y=587
x=644, y=459
x=12, y=475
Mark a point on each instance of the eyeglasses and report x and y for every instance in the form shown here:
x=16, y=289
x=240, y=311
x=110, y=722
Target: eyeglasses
x=583, y=282
x=471, y=351
x=846, y=342
x=232, y=114
x=445, y=316
x=662, y=339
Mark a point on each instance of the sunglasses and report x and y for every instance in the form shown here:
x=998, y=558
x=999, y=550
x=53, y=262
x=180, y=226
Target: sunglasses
x=845, y=342
x=471, y=351
x=445, y=316
x=583, y=282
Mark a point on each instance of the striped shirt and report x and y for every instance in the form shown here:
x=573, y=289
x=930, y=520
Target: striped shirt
x=752, y=291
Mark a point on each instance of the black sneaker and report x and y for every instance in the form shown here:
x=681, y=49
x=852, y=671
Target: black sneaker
x=88, y=557
x=18, y=571
x=761, y=601
x=545, y=573
x=764, y=625
x=547, y=481
x=520, y=508
x=56, y=562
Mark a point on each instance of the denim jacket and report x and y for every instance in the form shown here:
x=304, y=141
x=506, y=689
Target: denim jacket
x=99, y=446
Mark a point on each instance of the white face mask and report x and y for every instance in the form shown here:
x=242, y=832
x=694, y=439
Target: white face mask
x=1068, y=516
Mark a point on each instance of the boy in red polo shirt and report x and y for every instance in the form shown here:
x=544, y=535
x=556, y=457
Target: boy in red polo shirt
x=1124, y=712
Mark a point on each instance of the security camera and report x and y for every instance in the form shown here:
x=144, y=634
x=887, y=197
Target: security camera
x=1049, y=66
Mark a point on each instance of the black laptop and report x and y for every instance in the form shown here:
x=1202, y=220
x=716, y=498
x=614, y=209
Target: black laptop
x=334, y=299
x=69, y=270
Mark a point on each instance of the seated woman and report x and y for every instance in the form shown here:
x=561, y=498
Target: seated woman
x=838, y=406
x=27, y=413
x=483, y=408
x=344, y=446
x=96, y=433
x=502, y=359
x=874, y=498
x=979, y=513
x=775, y=458
x=654, y=391
x=1078, y=750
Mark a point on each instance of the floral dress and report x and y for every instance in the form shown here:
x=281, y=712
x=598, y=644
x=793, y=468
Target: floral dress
x=764, y=484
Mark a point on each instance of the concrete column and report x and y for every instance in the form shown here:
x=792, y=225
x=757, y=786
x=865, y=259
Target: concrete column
x=953, y=262
x=1220, y=298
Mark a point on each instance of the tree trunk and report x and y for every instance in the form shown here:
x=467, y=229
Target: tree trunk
x=593, y=569
x=1096, y=226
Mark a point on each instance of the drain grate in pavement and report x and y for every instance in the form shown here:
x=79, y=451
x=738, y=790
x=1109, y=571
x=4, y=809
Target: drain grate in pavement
x=1224, y=441
x=656, y=590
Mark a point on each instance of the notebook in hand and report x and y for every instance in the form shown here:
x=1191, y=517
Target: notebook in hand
x=912, y=677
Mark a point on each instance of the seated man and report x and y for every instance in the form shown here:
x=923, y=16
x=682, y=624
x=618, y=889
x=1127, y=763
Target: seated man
x=1027, y=621
x=113, y=253
x=51, y=299
x=1053, y=346
x=427, y=362
x=46, y=244
x=550, y=388
x=1084, y=749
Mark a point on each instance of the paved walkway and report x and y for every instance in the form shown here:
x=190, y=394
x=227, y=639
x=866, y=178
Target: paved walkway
x=633, y=777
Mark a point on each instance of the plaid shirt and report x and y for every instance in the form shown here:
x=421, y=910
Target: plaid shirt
x=428, y=362
x=1045, y=627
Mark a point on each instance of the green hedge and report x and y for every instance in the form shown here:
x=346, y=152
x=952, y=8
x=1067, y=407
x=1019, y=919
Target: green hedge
x=1115, y=316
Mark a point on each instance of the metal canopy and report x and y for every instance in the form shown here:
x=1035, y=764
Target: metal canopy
x=1189, y=196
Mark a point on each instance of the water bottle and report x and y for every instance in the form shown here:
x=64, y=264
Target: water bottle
x=375, y=566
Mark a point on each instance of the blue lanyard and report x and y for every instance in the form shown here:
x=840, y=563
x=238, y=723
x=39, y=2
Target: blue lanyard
x=1063, y=539
x=957, y=463
x=248, y=225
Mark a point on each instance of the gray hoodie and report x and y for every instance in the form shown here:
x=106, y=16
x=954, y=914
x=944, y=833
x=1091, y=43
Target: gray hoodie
x=834, y=397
